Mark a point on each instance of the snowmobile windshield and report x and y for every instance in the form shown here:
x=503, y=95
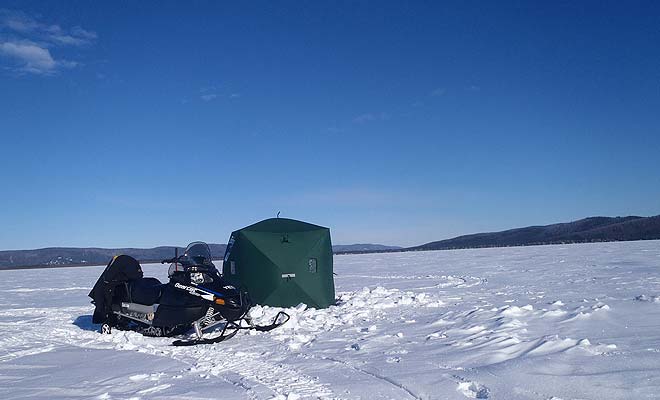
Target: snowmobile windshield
x=198, y=253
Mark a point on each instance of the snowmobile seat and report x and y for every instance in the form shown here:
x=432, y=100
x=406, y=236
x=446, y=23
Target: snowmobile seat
x=145, y=291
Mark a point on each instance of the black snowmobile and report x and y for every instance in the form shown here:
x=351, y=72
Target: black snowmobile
x=195, y=297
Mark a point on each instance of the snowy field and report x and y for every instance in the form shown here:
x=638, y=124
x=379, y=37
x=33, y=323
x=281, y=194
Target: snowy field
x=550, y=322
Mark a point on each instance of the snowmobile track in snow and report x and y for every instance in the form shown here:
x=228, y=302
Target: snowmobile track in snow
x=374, y=375
x=252, y=367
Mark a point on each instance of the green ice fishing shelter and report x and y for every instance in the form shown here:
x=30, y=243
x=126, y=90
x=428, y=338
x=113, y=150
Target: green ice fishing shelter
x=282, y=262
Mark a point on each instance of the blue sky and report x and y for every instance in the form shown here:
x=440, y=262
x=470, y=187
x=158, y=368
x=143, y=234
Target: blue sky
x=150, y=123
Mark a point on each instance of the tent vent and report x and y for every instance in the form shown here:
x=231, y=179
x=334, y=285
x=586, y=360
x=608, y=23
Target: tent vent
x=312, y=263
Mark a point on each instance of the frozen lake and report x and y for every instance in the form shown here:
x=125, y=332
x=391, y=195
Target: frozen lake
x=546, y=322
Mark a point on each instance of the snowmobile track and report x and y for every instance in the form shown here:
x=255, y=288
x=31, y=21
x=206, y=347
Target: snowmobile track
x=252, y=367
x=380, y=378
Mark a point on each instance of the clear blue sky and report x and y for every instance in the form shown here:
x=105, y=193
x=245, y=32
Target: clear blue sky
x=149, y=123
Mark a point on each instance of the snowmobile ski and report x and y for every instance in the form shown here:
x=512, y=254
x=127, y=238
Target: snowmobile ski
x=194, y=342
x=235, y=327
x=275, y=324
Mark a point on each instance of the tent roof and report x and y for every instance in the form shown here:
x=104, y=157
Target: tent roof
x=282, y=225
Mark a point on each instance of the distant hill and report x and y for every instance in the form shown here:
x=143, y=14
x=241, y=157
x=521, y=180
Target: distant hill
x=362, y=248
x=63, y=256
x=69, y=256
x=594, y=229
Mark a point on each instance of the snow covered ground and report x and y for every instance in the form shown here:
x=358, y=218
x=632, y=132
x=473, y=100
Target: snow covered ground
x=549, y=322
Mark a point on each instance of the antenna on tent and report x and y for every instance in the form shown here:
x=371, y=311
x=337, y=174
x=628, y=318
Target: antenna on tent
x=278, y=214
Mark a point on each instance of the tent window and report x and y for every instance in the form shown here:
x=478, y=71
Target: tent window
x=312, y=265
x=232, y=267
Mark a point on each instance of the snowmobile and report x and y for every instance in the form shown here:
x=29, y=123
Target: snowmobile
x=196, y=297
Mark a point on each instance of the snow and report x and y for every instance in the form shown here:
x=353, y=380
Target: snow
x=547, y=322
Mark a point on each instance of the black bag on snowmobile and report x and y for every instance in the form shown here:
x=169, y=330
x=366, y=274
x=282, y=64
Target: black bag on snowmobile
x=120, y=270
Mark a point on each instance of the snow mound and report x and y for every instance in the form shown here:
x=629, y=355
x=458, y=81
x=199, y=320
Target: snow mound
x=353, y=308
x=515, y=311
x=648, y=299
x=473, y=390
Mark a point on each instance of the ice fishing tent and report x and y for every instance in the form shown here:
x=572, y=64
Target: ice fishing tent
x=282, y=262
